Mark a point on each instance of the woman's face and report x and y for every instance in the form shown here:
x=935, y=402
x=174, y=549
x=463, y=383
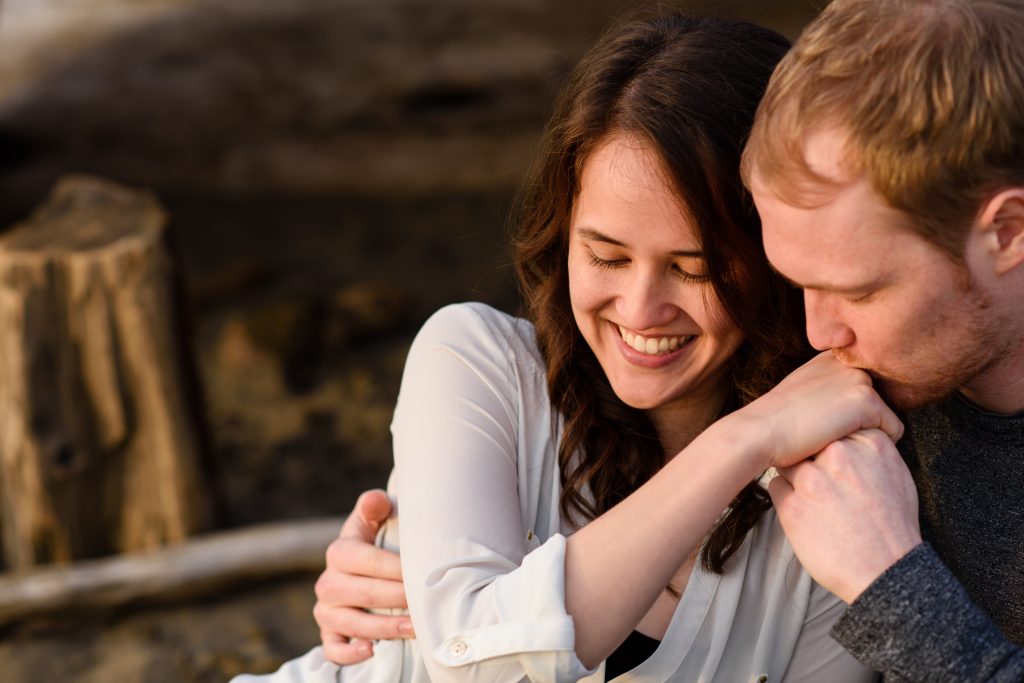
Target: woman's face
x=637, y=283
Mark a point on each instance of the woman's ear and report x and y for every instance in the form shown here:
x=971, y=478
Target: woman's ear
x=1001, y=225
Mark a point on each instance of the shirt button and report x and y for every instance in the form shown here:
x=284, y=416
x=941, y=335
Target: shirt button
x=763, y=678
x=458, y=648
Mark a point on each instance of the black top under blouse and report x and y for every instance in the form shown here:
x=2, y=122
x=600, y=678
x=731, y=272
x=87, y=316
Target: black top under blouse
x=635, y=649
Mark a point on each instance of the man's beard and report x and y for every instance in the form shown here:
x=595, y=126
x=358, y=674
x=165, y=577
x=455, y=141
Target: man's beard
x=979, y=345
x=942, y=376
x=904, y=396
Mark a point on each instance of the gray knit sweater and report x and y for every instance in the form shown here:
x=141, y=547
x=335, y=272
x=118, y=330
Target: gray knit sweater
x=953, y=608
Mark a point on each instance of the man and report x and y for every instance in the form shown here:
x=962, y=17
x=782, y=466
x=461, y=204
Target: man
x=887, y=162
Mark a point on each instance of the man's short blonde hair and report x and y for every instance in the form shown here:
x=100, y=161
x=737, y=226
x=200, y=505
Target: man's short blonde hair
x=928, y=93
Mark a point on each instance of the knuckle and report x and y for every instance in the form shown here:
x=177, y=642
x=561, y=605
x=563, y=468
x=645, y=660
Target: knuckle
x=330, y=587
x=322, y=587
x=877, y=438
x=864, y=392
x=336, y=553
x=319, y=615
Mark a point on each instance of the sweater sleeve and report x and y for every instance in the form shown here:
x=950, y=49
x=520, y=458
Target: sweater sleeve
x=917, y=623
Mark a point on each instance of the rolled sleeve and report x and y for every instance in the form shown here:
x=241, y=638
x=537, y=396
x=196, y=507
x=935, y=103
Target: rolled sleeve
x=530, y=620
x=486, y=596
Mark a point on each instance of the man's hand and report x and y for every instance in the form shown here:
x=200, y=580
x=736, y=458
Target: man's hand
x=850, y=513
x=360, y=576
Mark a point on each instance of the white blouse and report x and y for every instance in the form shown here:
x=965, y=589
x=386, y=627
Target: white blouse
x=483, y=543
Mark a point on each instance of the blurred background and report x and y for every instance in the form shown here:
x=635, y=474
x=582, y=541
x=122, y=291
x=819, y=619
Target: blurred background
x=327, y=173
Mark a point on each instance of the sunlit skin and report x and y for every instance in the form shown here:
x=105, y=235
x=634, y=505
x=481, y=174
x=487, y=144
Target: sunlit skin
x=882, y=297
x=635, y=268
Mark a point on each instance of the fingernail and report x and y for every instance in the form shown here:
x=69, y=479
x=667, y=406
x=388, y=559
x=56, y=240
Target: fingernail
x=365, y=649
x=405, y=628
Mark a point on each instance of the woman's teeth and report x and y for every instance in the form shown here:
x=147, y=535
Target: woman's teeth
x=654, y=346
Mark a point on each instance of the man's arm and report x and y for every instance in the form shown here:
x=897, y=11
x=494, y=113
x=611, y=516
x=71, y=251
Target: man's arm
x=360, y=576
x=916, y=622
x=851, y=514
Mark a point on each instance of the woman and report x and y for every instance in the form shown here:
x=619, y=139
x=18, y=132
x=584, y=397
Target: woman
x=563, y=479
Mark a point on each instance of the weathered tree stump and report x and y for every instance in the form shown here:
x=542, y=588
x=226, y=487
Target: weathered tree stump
x=100, y=437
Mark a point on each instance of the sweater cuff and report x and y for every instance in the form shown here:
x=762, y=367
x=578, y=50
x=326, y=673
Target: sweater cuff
x=916, y=622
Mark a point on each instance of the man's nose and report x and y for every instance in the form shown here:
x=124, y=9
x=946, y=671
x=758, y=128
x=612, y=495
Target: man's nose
x=825, y=326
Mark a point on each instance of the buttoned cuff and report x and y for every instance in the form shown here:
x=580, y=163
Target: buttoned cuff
x=532, y=623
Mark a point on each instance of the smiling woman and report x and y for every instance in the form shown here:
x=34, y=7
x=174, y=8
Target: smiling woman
x=640, y=296
x=561, y=475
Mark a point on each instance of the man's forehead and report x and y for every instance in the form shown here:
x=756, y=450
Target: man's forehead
x=836, y=245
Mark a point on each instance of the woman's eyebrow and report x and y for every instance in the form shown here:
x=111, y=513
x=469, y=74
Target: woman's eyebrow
x=591, y=234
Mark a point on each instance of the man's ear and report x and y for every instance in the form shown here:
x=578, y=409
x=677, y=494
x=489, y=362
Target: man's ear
x=1002, y=226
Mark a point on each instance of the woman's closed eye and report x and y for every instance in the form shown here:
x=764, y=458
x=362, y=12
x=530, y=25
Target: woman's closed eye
x=695, y=273
x=596, y=260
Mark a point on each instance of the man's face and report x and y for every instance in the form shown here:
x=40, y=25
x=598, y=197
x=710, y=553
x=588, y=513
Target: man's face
x=882, y=297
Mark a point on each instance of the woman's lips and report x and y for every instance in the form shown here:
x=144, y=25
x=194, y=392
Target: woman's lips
x=674, y=347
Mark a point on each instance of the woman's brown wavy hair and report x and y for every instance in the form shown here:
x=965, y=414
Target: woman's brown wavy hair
x=689, y=86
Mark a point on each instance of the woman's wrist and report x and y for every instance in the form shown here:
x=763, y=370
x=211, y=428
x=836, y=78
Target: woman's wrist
x=743, y=440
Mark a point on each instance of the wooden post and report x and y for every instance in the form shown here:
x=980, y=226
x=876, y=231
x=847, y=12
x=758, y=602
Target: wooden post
x=100, y=448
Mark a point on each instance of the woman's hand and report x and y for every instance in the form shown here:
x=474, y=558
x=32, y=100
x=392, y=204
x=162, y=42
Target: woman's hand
x=360, y=576
x=820, y=402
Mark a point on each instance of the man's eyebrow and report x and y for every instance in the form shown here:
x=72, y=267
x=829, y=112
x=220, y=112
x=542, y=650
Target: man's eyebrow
x=821, y=287
x=591, y=234
x=783, y=277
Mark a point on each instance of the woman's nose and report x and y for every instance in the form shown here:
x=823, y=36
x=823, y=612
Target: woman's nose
x=645, y=302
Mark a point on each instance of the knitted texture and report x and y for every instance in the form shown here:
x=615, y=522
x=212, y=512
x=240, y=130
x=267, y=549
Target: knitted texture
x=953, y=608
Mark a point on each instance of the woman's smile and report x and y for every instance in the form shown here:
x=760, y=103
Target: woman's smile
x=651, y=351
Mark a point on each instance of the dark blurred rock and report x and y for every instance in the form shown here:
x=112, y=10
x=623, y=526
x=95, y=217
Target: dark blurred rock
x=366, y=309
x=295, y=335
x=230, y=281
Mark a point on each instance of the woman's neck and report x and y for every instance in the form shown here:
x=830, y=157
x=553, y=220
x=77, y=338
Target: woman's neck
x=678, y=423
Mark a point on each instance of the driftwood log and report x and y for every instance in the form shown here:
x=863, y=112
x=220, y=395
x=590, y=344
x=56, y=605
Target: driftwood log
x=100, y=438
x=205, y=565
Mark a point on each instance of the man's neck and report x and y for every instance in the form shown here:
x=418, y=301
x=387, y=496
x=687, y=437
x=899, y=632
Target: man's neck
x=1000, y=389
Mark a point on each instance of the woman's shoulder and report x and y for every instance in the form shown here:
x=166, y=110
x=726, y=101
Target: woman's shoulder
x=481, y=328
x=475, y=314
